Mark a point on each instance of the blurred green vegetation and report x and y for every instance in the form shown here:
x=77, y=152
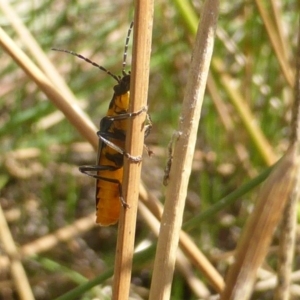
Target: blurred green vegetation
x=55, y=194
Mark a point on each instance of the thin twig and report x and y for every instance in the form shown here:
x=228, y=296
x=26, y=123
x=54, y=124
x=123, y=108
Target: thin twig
x=183, y=154
x=142, y=36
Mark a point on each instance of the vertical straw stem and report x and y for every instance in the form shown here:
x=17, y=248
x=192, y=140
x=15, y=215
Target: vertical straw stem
x=142, y=34
x=295, y=137
x=183, y=154
x=289, y=223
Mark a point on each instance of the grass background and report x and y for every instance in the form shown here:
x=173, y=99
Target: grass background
x=41, y=187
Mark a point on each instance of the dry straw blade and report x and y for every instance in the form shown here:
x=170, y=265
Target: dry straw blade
x=260, y=227
x=183, y=153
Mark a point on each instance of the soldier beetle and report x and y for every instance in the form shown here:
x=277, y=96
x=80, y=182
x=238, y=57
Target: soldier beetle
x=108, y=170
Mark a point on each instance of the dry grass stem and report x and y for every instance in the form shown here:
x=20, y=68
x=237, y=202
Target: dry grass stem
x=276, y=14
x=183, y=155
x=50, y=241
x=142, y=36
x=275, y=41
x=70, y=109
x=258, y=231
x=271, y=282
x=245, y=114
x=289, y=222
x=182, y=263
x=39, y=55
x=201, y=262
x=228, y=123
x=186, y=243
x=18, y=273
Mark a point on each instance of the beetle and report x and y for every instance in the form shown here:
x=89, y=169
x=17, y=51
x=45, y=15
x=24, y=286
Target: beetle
x=108, y=170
